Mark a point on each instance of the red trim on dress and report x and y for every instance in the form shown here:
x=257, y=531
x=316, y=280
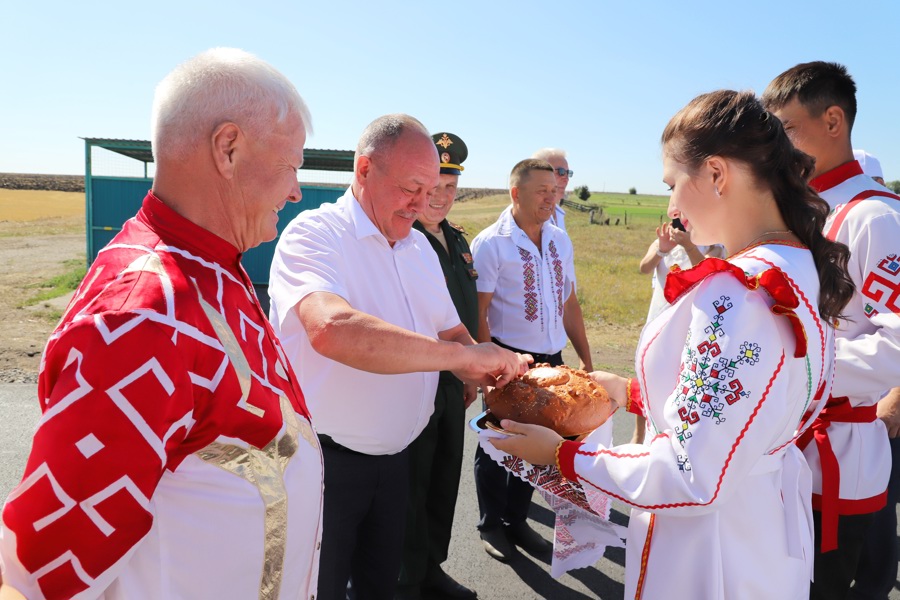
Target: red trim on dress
x=645, y=558
x=608, y=452
x=644, y=371
x=737, y=442
x=565, y=459
x=787, y=243
x=836, y=176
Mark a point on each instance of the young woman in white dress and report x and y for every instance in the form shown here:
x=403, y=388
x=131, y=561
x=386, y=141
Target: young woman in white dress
x=727, y=376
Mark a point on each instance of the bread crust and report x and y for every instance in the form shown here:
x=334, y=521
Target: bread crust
x=566, y=400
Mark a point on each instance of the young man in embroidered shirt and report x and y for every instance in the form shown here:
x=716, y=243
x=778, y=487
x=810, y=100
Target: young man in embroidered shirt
x=847, y=448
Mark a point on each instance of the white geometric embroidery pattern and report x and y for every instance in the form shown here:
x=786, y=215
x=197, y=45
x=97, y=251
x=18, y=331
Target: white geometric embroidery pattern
x=42, y=471
x=81, y=391
x=115, y=393
x=89, y=445
x=88, y=504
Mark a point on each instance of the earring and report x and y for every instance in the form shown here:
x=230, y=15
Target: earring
x=717, y=192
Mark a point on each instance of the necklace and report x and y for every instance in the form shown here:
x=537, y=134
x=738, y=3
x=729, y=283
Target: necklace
x=765, y=234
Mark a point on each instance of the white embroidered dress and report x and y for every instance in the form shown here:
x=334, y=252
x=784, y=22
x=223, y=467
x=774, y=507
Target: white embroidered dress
x=720, y=494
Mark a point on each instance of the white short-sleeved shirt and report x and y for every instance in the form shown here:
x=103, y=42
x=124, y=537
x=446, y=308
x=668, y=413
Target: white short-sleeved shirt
x=530, y=286
x=559, y=217
x=336, y=248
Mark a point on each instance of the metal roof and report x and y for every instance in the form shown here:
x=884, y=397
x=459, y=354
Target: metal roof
x=313, y=159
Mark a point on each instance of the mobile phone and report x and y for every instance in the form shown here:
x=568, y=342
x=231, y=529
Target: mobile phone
x=676, y=223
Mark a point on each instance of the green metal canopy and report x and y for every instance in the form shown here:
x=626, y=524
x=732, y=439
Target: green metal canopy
x=313, y=159
x=110, y=200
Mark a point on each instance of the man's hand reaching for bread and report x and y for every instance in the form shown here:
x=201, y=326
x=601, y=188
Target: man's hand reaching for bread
x=490, y=365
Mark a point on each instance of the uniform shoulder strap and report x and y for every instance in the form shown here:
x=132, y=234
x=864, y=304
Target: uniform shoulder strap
x=458, y=228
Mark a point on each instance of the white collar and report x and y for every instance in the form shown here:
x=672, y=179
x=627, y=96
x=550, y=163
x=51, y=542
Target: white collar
x=363, y=225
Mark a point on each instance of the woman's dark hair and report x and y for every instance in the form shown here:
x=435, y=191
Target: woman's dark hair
x=735, y=125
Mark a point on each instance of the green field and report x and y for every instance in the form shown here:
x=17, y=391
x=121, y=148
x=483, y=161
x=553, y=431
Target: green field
x=614, y=295
x=630, y=209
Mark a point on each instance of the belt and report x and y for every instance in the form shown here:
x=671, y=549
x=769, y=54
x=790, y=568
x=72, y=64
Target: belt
x=554, y=359
x=837, y=410
x=328, y=442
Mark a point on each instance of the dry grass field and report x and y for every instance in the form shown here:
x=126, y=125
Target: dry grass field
x=614, y=296
x=35, y=205
x=42, y=253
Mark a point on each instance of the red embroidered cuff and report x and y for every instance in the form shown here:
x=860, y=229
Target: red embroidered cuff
x=635, y=403
x=565, y=459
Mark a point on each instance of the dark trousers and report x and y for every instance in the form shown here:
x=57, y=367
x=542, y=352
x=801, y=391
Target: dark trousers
x=833, y=571
x=362, y=522
x=503, y=498
x=435, y=461
x=876, y=573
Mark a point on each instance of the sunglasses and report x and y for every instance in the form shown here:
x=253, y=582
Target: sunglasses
x=563, y=172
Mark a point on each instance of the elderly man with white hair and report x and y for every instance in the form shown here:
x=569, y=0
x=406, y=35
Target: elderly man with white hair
x=175, y=456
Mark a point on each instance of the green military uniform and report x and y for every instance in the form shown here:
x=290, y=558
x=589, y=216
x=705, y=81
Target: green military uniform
x=459, y=271
x=436, y=455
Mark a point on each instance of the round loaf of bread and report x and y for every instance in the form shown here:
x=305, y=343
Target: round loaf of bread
x=566, y=400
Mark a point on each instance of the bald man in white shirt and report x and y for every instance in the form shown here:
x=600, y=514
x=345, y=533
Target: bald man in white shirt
x=364, y=315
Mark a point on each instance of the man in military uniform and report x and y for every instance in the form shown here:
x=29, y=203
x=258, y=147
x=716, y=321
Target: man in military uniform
x=436, y=455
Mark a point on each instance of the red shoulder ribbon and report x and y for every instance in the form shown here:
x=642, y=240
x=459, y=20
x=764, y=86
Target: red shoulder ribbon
x=772, y=280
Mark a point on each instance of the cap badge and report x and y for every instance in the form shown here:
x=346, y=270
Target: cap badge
x=445, y=157
x=444, y=142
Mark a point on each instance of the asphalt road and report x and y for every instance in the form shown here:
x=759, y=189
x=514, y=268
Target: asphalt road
x=524, y=577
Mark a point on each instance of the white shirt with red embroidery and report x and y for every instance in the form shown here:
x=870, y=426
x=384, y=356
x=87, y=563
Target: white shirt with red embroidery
x=867, y=339
x=175, y=457
x=720, y=493
x=530, y=285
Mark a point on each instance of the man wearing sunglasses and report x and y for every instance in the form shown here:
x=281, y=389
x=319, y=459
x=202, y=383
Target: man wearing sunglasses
x=574, y=317
x=557, y=160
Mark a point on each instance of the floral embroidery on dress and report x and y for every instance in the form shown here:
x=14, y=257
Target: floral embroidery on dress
x=529, y=280
x=708, y=382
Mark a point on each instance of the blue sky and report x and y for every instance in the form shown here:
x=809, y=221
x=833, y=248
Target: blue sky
x=595, y=78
